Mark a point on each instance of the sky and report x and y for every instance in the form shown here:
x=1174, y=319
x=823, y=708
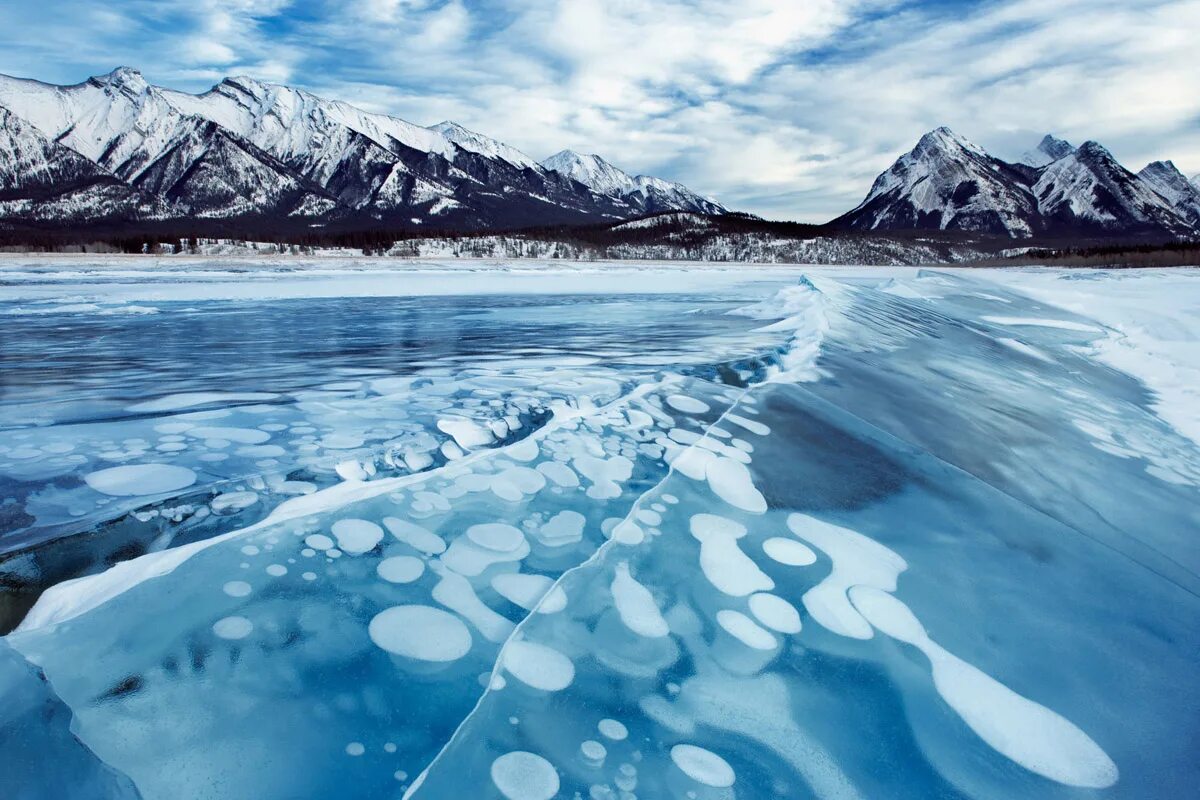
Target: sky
x=786, y=109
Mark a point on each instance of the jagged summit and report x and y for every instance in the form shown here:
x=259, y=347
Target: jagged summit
x=1049, y=150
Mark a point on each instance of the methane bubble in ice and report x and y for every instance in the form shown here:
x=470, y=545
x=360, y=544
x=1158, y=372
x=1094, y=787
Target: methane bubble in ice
x=538, y=666
x=132, y=480
x=789, y=552
x=400, y=569
x=522, y=775
x=233, y=627
x=357, y=536
x=688, y=405
x=1026, y=732
x=236, y=588
x=703, y=766
x=422, y=633
x=612, y=729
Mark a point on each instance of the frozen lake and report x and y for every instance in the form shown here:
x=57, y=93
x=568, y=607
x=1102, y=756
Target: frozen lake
x=442, y=530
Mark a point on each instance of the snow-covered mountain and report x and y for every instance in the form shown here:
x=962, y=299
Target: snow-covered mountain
x=249, y=148
x=1049, y=149
x=1089, y=189
x=1183, y=195
x=647, y=193
x=948, y=183
x=41, y=179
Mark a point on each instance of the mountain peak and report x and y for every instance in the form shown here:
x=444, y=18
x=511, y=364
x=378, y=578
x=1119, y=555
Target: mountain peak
x=125, y=77
x=483, y=145
x=1049, y=150
x=945, y=140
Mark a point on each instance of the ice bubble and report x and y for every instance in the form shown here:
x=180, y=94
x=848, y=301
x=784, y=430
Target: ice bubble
x=593, y=752
x=745, y=630
x=636, y=605
x=389, y=747
x=703, y=766
x=341, y=441
x=605, y=474
x=400, y=569
x=233, y=501
x=250, y=549
x=856, y=560
x=1024, y=731
x=756, y=428
x=277, y=570
x=554, y=601
x=522, y=775
x=496, y=536
x=236, y=588
x=355, y=749
x=139, y=479
x=524, y=451
x=420, y=632
x=515, y=482
x=457, y=594
x=415, y=536
x=688, y=405
x=309, y=576
x=466, y=434
x=789, y=552
x=649, y=517
x=612, y=729
x=357, y=536
x=722, y=561
x=233, y=627
x=351, y=471
x=775, y=612
x=565, y=527
x=538, y=666
x=559, y=473
x=522, y=590
x=318, y=541
x=731, y=481
x=239, y=435
x=628, y=532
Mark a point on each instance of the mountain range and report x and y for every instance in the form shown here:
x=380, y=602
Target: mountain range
x=948, y=183
x=117, y=148
x=118, y=151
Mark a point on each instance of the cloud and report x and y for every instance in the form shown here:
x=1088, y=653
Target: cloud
x=784, y=108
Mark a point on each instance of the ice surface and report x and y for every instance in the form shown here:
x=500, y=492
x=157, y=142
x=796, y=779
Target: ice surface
x=899, y=535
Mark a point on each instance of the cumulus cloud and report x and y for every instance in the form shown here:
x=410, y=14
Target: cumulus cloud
x=783, y=108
